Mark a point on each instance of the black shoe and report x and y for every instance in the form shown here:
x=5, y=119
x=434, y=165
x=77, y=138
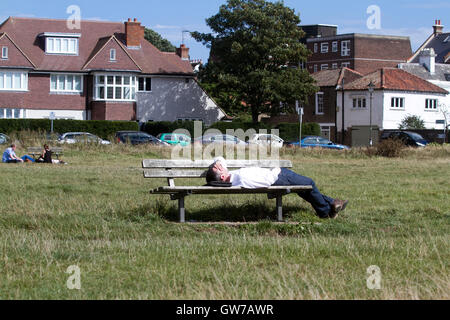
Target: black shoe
x=336, y=207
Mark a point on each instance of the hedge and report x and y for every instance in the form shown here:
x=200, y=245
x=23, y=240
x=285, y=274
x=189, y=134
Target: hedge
x=103, y=129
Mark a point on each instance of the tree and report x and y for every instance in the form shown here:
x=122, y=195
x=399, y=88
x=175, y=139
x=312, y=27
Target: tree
x=411, y=122
x=255, y=54
x=444, y=109
x=158, y=41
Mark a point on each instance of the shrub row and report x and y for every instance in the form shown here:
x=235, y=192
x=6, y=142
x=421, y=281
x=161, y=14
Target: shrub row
x=101, y=128
x=287, y=131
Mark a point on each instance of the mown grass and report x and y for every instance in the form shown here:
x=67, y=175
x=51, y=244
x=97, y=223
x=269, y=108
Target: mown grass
x=96, y=213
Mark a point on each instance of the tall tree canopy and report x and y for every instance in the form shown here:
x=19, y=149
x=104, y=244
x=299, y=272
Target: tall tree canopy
x=158, y=41
x=255, y=54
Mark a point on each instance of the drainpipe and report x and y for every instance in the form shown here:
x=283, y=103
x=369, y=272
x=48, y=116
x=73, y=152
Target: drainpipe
x=343, y=110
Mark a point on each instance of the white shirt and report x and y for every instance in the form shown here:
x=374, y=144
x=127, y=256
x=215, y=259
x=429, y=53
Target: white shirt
x=252, y=178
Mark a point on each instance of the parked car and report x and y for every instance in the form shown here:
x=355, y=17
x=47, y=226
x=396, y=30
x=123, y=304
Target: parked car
x=81, y=137
x=267, y=139
x=407, y=137
x=4, y=139
x=219, y=138
x=318, y=142
x=175, y=138
x=138, y=137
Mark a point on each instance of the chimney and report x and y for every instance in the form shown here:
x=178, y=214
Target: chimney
x=183, y=52
x=427, y=59
x=134, y=33
x=437, y=28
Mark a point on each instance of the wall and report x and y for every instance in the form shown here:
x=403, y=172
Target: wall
x=174, y=98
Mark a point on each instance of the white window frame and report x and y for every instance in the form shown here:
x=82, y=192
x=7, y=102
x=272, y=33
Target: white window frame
x=145, y=79
x=324, y=66
x=112, y=55
x=133, y=86
x=334, y=46
x=13, y=112
x=14, y=74
x=359, y=103
x=345, y=64
x=345, y=48
x=51, y=48
x=315, y=68
x=320, y=103
x=324, y=47
x=397, y=103
x=334, y=66
x=431, y=104
x=66, y=81
x=316, y=47
x=5, y=53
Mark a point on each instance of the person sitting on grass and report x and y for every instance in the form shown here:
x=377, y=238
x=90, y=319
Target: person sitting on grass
x=9, y=156
x=252, y=178
x=46, y=156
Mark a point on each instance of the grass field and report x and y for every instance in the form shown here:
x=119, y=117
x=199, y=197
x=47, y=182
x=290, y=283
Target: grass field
x=96, y=213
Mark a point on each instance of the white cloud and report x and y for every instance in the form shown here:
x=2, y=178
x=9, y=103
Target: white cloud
x=159, y=26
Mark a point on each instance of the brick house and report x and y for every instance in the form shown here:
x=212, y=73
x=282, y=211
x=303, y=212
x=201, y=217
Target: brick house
x=101, y=71
x=363, y=53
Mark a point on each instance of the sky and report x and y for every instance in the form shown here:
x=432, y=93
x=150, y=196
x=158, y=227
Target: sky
x=412, y=18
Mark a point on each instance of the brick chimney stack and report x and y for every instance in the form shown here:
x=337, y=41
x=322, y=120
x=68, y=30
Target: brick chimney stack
x=134, y=33
x=183, y=52
x=438, y=28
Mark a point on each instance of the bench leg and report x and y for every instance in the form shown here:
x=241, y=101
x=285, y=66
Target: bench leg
x=181, y=210
x=280, y=207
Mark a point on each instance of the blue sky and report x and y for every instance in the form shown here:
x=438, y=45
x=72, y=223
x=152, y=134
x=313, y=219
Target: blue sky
x=413, y=18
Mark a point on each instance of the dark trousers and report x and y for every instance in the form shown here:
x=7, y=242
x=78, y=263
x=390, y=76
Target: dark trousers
x=321, y=203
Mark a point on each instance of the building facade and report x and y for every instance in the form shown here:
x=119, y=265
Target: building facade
x=97, y=71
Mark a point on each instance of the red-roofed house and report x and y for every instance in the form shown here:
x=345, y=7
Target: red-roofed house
x=396, y=95
x=102, y=71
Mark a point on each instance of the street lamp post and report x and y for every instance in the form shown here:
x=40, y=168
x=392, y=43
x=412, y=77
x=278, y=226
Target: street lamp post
x=371, y=87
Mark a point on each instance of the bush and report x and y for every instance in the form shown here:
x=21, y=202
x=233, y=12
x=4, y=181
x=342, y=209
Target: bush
x=390, y=148
x=101, y=128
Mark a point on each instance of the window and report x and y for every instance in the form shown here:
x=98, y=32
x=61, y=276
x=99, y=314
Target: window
x=324, y=47
x=10, y=113
x=319, y=103
x=115, y=87
x=316, y=46
x=4, y=52
x=112, y=55
x=431, y=104
x=315, y=68
x=324, y=67
x=398, y=103
x=17, y=81
x=359, y=103
x=345, y=64
x=61, y=45
x=334, y=46
x=145, y=84
x=345, y=48
x=66, y=83
x=334, y=66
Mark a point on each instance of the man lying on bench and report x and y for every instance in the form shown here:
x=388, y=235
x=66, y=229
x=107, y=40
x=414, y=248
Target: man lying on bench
x=252, y=178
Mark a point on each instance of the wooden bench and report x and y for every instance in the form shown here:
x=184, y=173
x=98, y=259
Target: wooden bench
x=35, y=152
x=172, y=169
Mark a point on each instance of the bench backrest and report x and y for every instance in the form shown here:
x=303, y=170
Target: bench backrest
x=39, y=150
x=197, y=169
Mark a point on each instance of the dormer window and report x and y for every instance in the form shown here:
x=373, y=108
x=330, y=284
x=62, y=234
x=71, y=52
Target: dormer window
x=4, y=52
x=61, y=43
x=112, y=55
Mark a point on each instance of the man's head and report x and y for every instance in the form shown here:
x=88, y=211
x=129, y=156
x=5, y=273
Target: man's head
x=13, y=146
x=217, y=172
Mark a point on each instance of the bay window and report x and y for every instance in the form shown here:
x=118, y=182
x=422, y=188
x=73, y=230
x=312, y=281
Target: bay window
x=115, y=87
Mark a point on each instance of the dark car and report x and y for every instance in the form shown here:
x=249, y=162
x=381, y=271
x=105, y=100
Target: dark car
x=138, y=137
x=318, y=142
x=407, y=137
x=4, y=138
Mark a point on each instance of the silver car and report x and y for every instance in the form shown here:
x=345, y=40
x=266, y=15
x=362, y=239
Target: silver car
x=81, y=137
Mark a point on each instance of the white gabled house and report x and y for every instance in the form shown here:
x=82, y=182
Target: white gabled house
x=396, y=95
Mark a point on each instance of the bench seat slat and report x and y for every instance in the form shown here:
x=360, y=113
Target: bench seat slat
x=152, y=163
x=177, y=173
x=225, y=190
